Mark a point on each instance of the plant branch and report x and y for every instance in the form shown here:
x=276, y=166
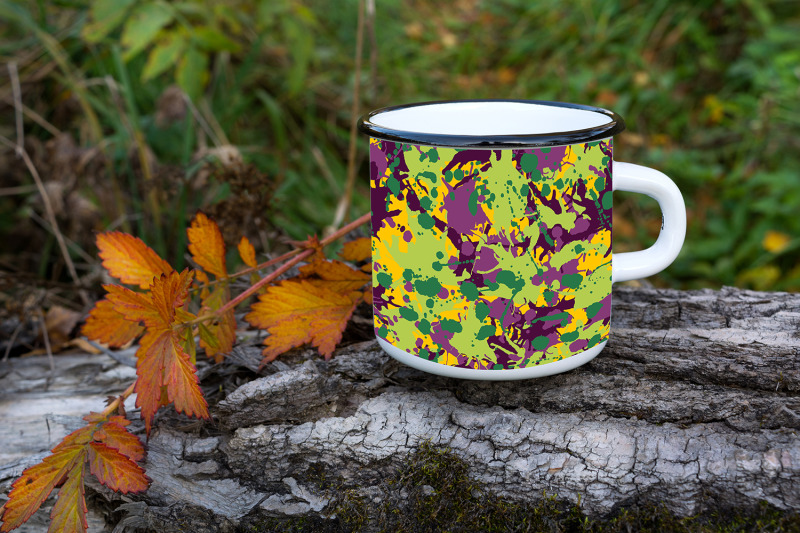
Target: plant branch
x=286, y=266
x=250, y=270
x=114, y=405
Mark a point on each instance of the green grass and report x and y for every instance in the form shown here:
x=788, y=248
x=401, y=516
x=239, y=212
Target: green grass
x=708, y=90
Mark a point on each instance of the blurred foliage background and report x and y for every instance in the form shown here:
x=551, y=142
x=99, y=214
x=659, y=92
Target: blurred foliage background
x=136, y=113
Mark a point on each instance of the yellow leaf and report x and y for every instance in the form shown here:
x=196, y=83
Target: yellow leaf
x=297, y=313
x=775, y=241
x=247, y=252
x=357, y=250
x=334, y=275
x=129, y=259
x=206, y=245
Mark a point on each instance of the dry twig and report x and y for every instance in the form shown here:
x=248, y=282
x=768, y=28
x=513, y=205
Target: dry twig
x=344, y=203
x=19, y=148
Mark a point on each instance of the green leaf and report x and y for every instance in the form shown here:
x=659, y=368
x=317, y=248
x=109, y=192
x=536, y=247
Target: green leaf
x=192, y=72
x=143, y=26
x=163, y=56
x=106, y=15
x=214, y=40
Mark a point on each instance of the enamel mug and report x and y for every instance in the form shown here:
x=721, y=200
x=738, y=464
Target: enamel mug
x=491, y=234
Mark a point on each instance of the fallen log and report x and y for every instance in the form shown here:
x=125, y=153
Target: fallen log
x=694, y=405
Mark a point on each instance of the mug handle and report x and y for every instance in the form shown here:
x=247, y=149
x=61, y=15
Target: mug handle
x=636, y=265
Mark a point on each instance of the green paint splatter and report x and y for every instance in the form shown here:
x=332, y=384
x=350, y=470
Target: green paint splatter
x=384, y=279
x=485, y=332
x=481, y=310
x=540, y=343
x=408, y=274
x=409, y=314
x=433, y=155
x=469, y=290
x=593, y=309
x=429, y=287
x=569, y=337
x=529, y=162
x=608, y=200
x=453, y=326
x=425, y=220
x=507, y=278
x=473, y=202
x=424, y=326
x=573, y=281
x=393, y=185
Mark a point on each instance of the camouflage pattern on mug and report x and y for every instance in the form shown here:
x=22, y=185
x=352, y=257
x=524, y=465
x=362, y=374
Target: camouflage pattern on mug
x=491, y=259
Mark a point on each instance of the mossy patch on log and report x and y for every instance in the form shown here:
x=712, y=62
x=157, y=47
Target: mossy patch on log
x=434, y=492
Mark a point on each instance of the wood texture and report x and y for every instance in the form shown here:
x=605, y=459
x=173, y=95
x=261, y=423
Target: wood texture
x=694, y=403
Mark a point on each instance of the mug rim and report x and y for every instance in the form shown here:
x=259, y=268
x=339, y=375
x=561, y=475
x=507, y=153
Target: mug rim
x=514, y=141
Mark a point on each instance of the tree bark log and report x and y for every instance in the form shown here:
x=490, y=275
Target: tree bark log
x=693, y=404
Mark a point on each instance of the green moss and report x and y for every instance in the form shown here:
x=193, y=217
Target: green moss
x=434, y=492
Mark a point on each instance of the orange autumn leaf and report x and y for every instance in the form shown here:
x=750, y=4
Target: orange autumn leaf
x=35, y=485
x=69, y=512
x=66, y=464
x=165, y=372
x=129, y=259
x=114, y=434
x=334, y=275
x=107, y=325
x=297, y=313
x=357, y=250
x=206, y=245
x=115, y=470
x=247, y=252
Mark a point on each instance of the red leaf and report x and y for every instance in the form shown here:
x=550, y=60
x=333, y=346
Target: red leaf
x=114, y=434
x=162, y=364
x=106, y=324
x=133, y=306
x=206, y=245
x=115, y=470
x=129, y=259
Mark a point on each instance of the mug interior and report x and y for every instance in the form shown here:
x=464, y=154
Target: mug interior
x=489, y=118
x=492, y=124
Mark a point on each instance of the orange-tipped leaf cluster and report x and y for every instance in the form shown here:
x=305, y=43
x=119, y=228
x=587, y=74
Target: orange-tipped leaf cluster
x=312, y=308
x=112, y=454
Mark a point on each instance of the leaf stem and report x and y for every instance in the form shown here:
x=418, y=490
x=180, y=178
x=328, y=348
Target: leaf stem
x=118, y=400
x=249, y=270
x=286, y=266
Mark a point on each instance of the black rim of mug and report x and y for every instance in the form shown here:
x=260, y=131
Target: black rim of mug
x=494, y=142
